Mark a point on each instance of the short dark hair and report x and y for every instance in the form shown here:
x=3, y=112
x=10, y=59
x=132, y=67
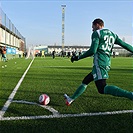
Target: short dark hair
x=98, y=21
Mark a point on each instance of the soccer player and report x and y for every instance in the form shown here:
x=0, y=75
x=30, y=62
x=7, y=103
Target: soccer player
x=102, y=44
x=53, y=54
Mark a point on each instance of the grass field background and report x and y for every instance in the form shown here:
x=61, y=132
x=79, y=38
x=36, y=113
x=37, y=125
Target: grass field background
x=56, y=77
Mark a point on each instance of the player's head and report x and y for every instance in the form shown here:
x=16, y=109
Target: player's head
x=97, y=24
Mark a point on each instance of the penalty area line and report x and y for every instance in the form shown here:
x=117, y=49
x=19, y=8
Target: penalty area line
x=10, y=98
x=66, y=115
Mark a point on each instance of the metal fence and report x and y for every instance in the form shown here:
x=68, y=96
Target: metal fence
x=6, y=22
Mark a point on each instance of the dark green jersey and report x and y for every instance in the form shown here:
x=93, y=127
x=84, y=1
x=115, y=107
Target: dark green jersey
x=105, y=42
x=102, y=44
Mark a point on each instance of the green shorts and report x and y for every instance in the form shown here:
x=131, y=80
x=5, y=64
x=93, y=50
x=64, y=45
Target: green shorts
x=100, y=72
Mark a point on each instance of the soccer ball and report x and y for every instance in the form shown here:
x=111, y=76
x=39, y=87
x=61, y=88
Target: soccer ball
x=44, y=99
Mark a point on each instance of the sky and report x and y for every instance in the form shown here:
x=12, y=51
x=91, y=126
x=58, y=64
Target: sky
x=40, y=21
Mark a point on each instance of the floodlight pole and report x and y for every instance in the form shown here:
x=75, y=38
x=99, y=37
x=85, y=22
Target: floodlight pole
x=63, y=24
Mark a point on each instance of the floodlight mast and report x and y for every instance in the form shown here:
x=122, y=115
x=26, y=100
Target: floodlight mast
x=63, y=25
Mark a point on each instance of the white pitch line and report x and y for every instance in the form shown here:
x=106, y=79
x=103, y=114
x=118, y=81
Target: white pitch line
x=52, y=110
x=66, y=115
x=10, y=98
x=72, y=67
x=61, y=66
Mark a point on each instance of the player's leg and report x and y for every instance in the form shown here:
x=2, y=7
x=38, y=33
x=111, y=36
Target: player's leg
x=4, y=57
x=100, y=75
x=100, y=84
x=80, y=89
x=112, y=90
x=116, y=91
x=83, y=86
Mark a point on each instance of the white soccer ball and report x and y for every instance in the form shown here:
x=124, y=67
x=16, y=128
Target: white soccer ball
x=44, y=99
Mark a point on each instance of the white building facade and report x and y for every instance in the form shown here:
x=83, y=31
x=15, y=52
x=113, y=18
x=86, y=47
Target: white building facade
x=10, y=36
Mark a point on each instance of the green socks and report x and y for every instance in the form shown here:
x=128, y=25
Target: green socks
x=116, y=91
x=79, y=91
x=112, y=90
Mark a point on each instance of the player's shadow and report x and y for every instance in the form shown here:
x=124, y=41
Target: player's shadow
x=127, y=70
x=76, y=68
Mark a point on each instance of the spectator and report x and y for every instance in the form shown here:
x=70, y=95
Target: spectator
x=43, y=54
x=4, y=54
x=53, y=54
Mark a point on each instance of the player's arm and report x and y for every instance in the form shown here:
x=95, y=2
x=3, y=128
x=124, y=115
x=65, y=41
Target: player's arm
x=123, y=44
x=94, y=46
x=91, y=51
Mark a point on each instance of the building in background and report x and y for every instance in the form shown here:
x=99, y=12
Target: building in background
x=11, y=37
x=118, y=51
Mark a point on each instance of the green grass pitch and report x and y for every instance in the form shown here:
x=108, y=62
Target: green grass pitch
x=56, y=77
